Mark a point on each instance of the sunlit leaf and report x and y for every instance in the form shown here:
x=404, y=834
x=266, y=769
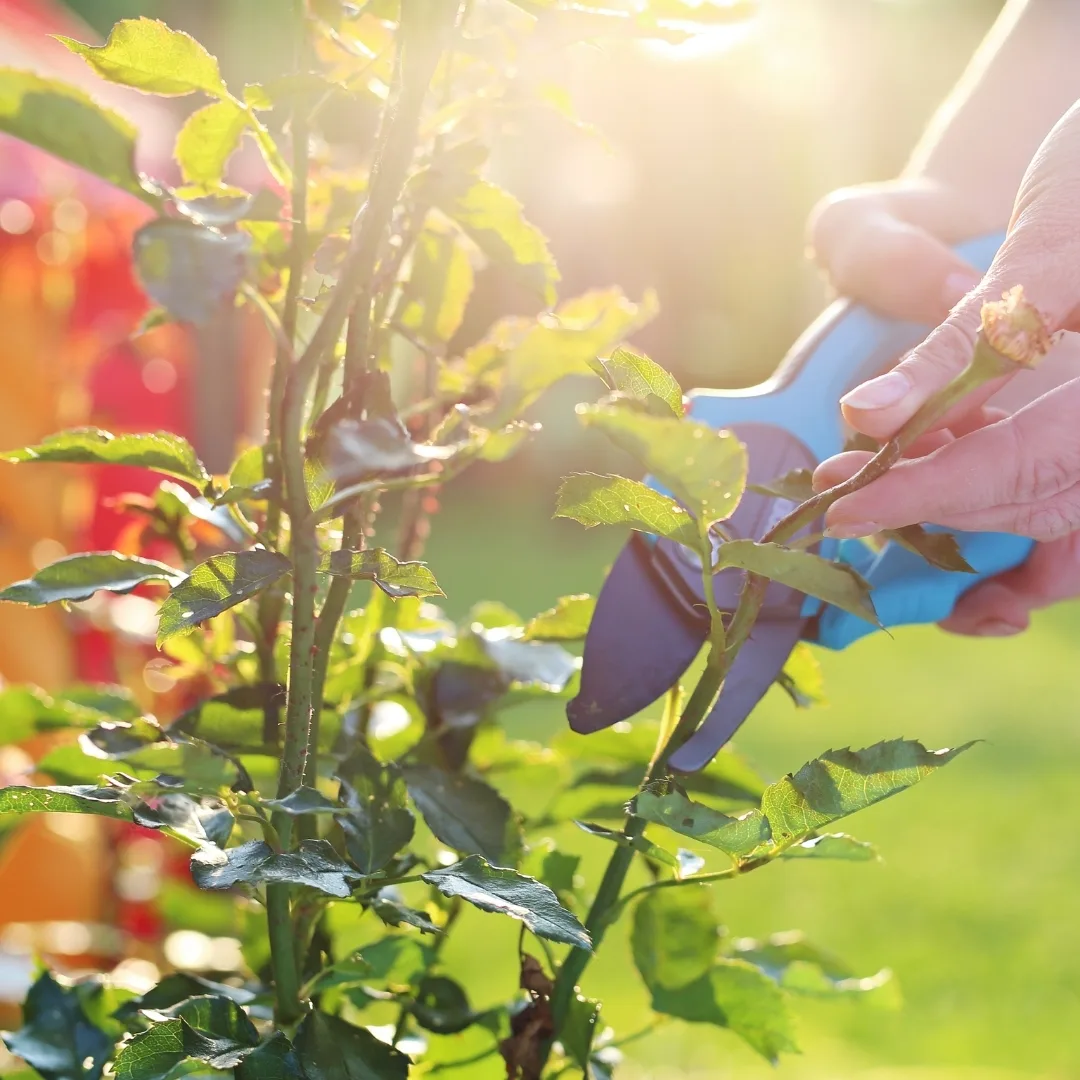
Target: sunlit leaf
x=147, y=55
x=214, y=586
x=509, y=893
x=801, y=678
x=69, y=124
x=833, y=846
x=330, y=1049
x=796, y=486
x=208, y=139
x=396, y=579
x=78, y=799
x=315, y=865
x=639, y=377
x=304, y=800
x=675, y=936
x=939, y=549
x=78, y=577
x=159, y=451
x=358, y=450
x=592, y=499
x=651, y=851
x=578, y=1031
x=568, y=620
x=834, y=583
x=705, y=469
x=440, y=282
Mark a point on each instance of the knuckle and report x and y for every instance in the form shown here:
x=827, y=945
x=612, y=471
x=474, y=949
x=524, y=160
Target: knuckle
x=947, y=349
x=1050, y=520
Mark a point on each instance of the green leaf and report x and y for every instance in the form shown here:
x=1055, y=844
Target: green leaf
x=275, y=1059
x=842, y=782
x=304, y=800
x=379, y=822
x=568, y=620
x=315, y=865
x=219, y=1016
x=190, y=270
x=703, y=468
x=832, y=582
x=26, y=711
x=509, y=893
x=433, y=299
x=147, y=55
x=200, y=821
x=579, y=1029
x=69, y=124
x=394, y=914
x=664, y=804
x=396, y=579
x=78, y=577
x=81, y=799
x=467, y=815
x=330, y=1049
x=833, y=846
x=675, y=936
x=152, y=1053
x=735, y=995
x=939, y=549
x=214, y=586
x=159, y=451
x=56, y=1038
x=441, y=1005
x=638, y=843
x=795, y=487
x=502, y=444
x=178, y=987
x=358, y=450
x=208, y=139
x=801, y=678
x=639, y=377
x=396, y=959
x=593, y=499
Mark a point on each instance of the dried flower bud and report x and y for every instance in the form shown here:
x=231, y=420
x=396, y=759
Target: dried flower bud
x=1014, y=328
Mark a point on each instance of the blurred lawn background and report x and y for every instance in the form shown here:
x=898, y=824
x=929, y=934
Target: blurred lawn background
x=715, y=158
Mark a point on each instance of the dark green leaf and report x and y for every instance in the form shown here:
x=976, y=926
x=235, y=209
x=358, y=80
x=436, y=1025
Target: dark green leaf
x=465, y=814
x=705, y=469
x=738, y=837
x=191, y=271
x=593, y=499
x=639, y=377
x=178, y=987
x=397, y=959
x=205, y=821
x=638, y=843
x=104, y=802
x=159, y=451
x=807, y=573
x=208, y=139
x=510, y=893
x=379, y=822
x=801, y=678
x=675, y=936
x=735, y=995
x=219, y=1016
x=152, y=1053
x=394, y=914
x=568, y=620
x=78, y=577
x=274, y=1060
x=330, y=1049
x=842, y=782
x=147, y=55
x=833, y=846
x=442, y=1006
x=216, y=869
x=396, y=579
x=56, y=1038
x=939, y=549
x=579, y=1030
x=795, y=487
x=315, y=865
x=304, y=800
x=69, y=124
x=222, y=582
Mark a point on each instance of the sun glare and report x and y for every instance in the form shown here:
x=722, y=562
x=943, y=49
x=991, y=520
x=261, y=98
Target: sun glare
x=705, y=43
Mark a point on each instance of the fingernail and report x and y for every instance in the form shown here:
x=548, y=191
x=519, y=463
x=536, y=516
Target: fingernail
x=957, y=285
x=997, y=628
x=880, y=393
x=844, y=531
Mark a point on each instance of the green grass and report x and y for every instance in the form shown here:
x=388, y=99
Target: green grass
x=974, y=907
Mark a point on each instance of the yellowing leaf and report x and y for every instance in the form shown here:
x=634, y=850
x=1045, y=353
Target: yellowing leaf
x=207, y=140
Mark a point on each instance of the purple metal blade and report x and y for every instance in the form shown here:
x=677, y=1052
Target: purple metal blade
x=639, y=643
x=758, y=664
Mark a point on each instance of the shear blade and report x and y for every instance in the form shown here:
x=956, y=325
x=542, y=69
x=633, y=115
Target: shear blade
x=639, y=643
x=756, y=668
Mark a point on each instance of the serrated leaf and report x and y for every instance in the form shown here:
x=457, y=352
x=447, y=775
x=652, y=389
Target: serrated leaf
x=734, y=995
x=394, y=914
x=396, y=579
x=275, y=1059
x=57, y=1038
x=664, y=804
x=159, y=451
x=209, y=137
x=639, y=377
x=149, y=56
x=214, y=586
x=178, y=987
x=331, y=1049
x=704, y=469
x=675, y=936
x=467, y=815
x=801, y=678
x=190, y=270
x=833, y=846
x=304, y=800
x=78, y=799
x=842, y=782
x=507, y=892
x=78, y=577
x=378, y=823
x=592, y=499
x=796, y=486
x=638, y=843
x=568, y=620
x=939, y=549
x=69, y=124
x=315, y=865
x=152, y=1053
x=218, y=1016
x=834, y=583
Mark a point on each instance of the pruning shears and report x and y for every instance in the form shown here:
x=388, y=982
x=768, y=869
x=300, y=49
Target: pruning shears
x=650, y=620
